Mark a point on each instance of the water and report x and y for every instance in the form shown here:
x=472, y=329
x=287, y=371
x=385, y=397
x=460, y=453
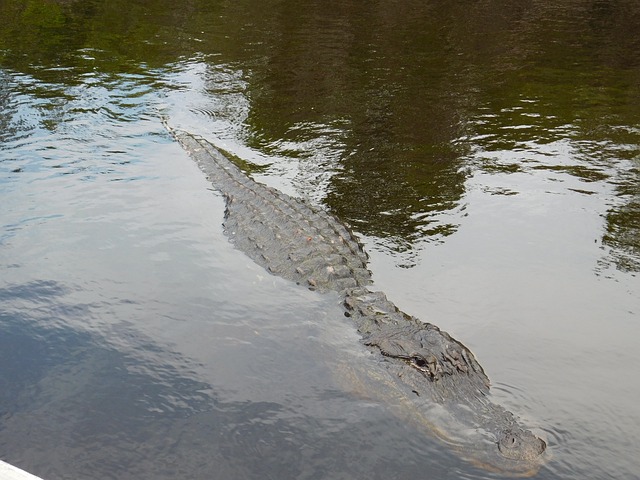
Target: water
x=486, y=154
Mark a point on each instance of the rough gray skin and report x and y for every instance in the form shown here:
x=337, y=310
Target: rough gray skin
x=292, y=240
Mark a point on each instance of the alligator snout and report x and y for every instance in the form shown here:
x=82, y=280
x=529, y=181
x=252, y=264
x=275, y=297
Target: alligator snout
x=522, y=445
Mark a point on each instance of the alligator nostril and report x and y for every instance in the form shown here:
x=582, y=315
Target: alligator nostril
x=508, y=440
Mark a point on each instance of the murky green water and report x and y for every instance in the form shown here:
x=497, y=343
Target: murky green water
x=487, y=153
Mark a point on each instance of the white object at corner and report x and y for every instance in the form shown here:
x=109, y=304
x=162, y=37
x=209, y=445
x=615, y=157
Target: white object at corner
x=9, y=472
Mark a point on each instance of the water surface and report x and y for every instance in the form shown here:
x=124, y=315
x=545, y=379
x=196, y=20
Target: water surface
x=486, y=153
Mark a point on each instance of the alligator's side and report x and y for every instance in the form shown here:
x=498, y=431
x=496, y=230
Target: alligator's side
x=311, y=247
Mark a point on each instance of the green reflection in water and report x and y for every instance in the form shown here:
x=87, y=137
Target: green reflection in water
x=398, y=104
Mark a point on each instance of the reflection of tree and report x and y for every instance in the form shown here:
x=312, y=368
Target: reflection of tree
x=61, y=40
x=622, y=233
x=378, y=72
x=409, y=84
x=399, y=94
x=7, y=130
x=38, y=33
x=579, y=85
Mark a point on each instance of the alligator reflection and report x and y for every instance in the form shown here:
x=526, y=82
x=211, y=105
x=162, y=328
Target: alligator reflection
x=313, y=248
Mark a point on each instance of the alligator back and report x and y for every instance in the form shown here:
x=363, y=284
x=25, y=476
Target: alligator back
x=281, y=233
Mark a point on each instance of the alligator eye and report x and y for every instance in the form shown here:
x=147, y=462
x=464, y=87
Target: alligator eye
x=428, y=366
x=420, y=362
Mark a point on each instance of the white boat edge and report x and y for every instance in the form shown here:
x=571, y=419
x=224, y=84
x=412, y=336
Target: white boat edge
x=9, y=472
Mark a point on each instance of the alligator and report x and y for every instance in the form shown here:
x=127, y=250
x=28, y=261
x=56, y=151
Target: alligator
x=423, y=364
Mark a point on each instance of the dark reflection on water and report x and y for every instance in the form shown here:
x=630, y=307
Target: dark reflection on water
x=76, y=404
x=622, y=234
x=490, y=146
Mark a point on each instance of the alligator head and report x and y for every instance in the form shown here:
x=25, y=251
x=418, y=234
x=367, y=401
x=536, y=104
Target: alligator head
x=441, y=370
x=521, y=445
